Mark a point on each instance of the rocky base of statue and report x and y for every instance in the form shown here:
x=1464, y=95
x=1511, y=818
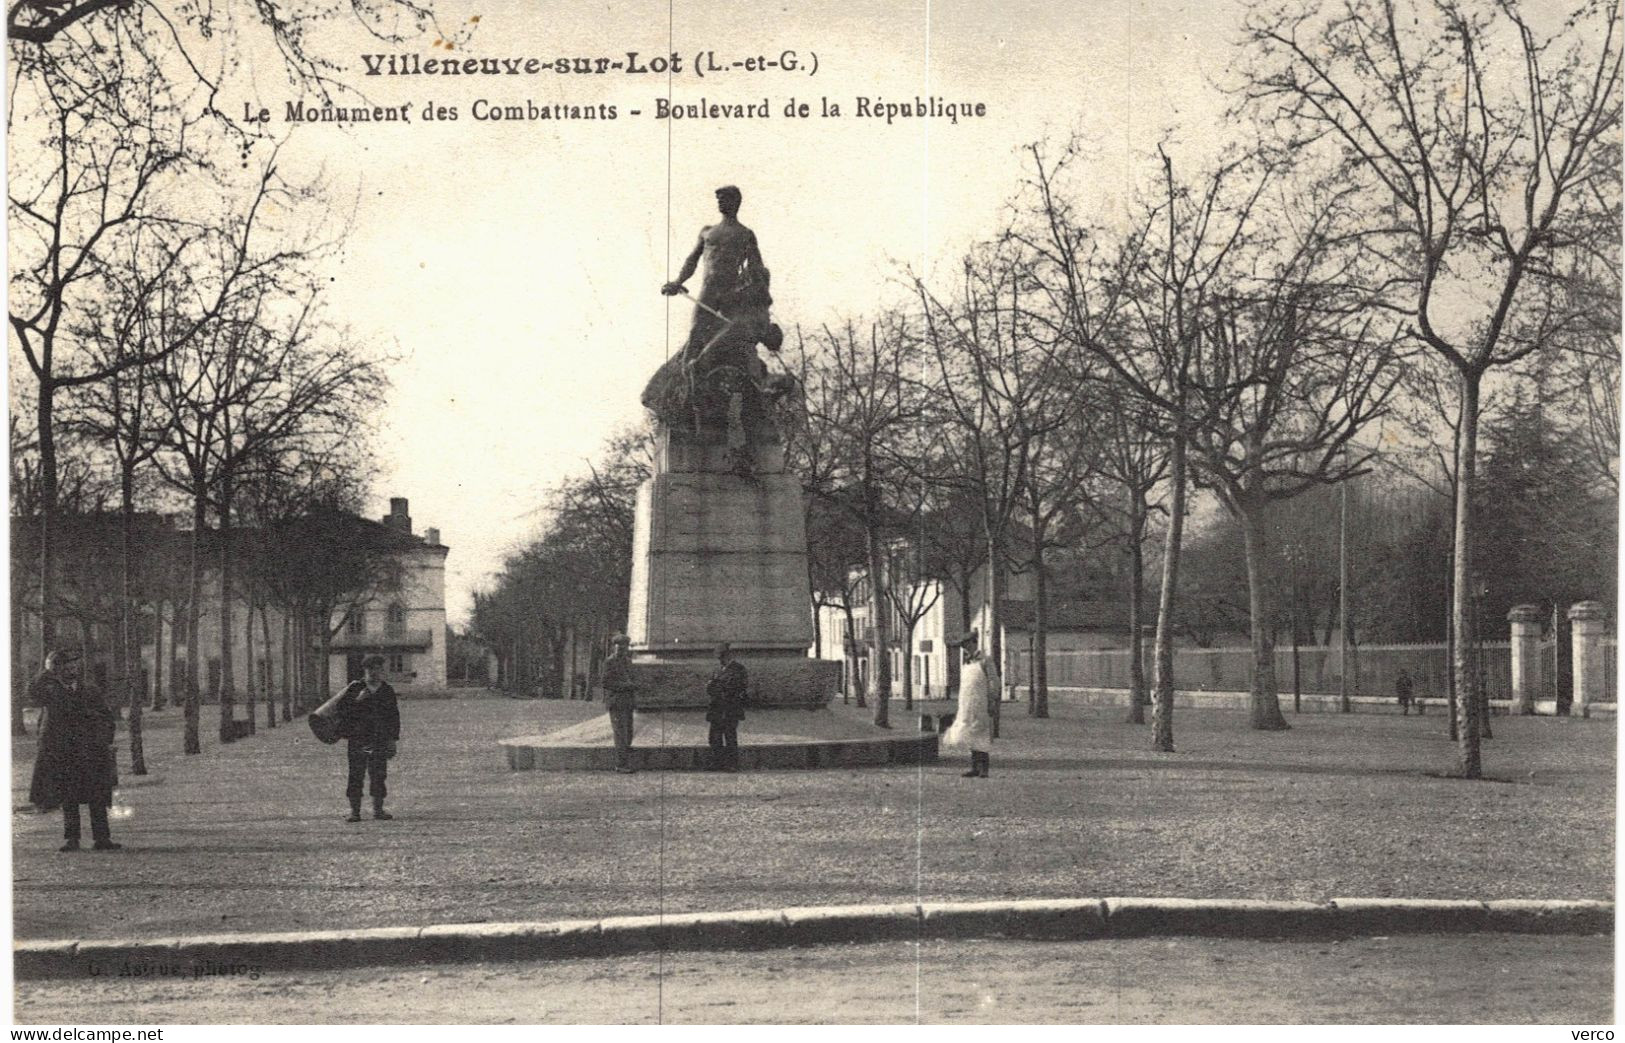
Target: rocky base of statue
x=677, y=740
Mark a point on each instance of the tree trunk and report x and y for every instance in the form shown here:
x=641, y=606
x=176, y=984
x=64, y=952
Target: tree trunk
x=1450, y=644
x=1297, y=671
x=1162, y=709
x=287, y=664
x=852, y=643
x=908, y=666
x=1343, y=704
x=880, y=666
x=994, y=641
x=19, y=657
x=1266, y=708
x=1137, y=695
x=265, y=675
x=1481, y=689
x=955, y=667
x=1462, y=580
x=177, y=683
x=130, y=654
x=46, y=419
x=1038, y=703
x=228, y=680
x=324, y=664
x=250, y=677
x=194, y=606
x=158, y=653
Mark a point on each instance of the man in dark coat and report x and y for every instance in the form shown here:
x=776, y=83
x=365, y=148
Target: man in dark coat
x=727, y=689
x=620, y=699
x=75, y=763
x=372, y=722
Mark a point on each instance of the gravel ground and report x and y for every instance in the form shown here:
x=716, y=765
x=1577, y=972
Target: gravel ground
x=251, y=837
x=1400, y=980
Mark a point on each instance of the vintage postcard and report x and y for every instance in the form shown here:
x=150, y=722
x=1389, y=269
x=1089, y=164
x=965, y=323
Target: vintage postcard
x=837, y=512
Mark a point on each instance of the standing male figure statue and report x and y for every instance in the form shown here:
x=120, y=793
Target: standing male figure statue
x=734, y=284
x=717, y=380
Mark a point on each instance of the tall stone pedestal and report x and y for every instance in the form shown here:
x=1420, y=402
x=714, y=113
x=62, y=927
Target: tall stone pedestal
x=721, y=555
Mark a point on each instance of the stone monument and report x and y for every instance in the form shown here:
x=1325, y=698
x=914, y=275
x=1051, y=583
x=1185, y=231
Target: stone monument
x=720, y=549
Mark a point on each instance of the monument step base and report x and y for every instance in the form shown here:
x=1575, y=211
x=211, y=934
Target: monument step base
x=776, y=683
x=678, y=740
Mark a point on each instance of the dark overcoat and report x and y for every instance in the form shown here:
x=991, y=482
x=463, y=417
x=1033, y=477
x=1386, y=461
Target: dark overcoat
x=620, y=691
x=369, y=718
x=75, y=763
x=727, y=689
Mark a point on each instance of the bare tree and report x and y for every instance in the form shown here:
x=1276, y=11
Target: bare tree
x=120, y=414
x=1295, y=364
x=1138, y=305
x=1472, y=139
x=1065, y=455
x=84, y=206
x=911, y=589
x=999, y=392
x=862, y=398
x=1134, y=459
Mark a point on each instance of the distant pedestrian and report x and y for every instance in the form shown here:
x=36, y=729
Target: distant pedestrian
x=1402, y=690
x=973, y=720
x=727, y=690
x=75, y=763
x=371, y=719
x=620, y=699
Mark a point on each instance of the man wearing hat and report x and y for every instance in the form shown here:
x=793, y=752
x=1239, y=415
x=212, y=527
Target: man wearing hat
x=75, y=763
x=620, y=699
x=727, y=689
x=372, y=723
x=973, y=721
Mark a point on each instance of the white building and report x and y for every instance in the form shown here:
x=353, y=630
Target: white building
x=404, y=620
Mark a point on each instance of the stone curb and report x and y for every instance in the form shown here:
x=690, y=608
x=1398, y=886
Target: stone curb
x=1072, y=919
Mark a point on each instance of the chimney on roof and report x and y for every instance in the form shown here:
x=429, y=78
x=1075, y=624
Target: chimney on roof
x=431, y=537
x=397, y=518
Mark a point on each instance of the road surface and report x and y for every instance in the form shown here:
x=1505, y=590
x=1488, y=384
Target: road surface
x=1404, y=979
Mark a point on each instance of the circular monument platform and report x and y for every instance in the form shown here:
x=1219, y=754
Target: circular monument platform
x=677, y=740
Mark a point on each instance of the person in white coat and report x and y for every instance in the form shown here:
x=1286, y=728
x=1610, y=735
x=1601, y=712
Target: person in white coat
x=973, y=721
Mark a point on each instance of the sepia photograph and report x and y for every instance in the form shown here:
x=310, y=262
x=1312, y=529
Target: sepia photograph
x=844, y=512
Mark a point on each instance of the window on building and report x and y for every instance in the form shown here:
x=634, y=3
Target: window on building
x=397, y=663
x=358, y=621
x=397, y=619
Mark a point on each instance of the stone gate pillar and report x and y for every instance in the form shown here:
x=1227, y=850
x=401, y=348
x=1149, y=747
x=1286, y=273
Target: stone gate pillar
x=1525, y=620
x=1589, y=622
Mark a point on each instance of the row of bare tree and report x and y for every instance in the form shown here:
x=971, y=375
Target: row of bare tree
x=165, y=296
x=1422, y=199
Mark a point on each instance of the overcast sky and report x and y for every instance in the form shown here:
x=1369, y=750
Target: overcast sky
x=515, y=266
